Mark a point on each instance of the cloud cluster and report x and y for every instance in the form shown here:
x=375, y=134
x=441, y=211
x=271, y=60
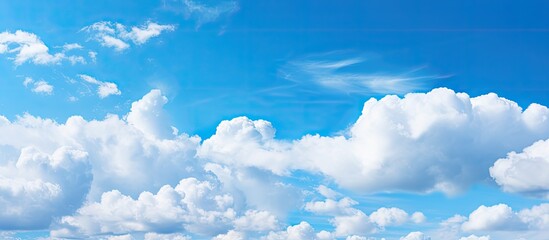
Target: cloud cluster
x=193, y=206
x=348, y=220
x=525, y=172
x=38, y=155
x=435, y=141
x=116, y=35
x=135, y=174
x=27, y=47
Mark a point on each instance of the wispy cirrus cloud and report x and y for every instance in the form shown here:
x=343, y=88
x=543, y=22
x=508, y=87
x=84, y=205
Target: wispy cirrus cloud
x=104, y=89
x=352, y=74
x=205, y=13
x=117, y=36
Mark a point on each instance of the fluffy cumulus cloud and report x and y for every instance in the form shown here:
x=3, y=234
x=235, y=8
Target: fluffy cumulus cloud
x=475, y=237
x=46, y=163
x=348, y=220
x=193, y=206
x=300, y=231
x=525, y=172
x=116, y=35
x=40, y=86
x=497, y=217
x=104, y=89
x=415, y=236
x=27, y=47
x=39, y=184
x=435, y=141
x=499, y=222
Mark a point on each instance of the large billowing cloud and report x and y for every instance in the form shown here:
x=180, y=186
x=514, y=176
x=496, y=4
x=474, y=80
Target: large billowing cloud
x=48, y=167
x=525, y=172
x=437, y=141
x=116, y=175
x=36, y=186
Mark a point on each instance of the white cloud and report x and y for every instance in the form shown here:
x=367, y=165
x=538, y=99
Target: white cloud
x=203, y=13
x=38, y=185
x=104, y=89
x=415, y=236
x=123, y=157
x=525, y=172
x=389, y=216
x=92, y=55
x=437, y=141
x=231, y=235
x=148, y=116
x=116, y=35
x=303, y=230
x=351, y=74
x=499, y=222
x=140, y=35
x=41, y=86
x=28, y=47
x=497, y=217
x=193, y=206
x=254, y=220
x=121, y=237
x=349, y=221
x=474, y=237
x=418, y=217
x=72, y=46
x=172, y=236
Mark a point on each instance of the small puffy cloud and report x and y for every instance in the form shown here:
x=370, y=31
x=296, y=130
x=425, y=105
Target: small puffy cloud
x=415, y=236
x=474, y=237
x=356, y=223
x=40, y=86
x=203, y=13
x=525, y=172
x=172, y=236
x=142, y=34
x=254, y=220
x=331, y=207
x=104, y=89
x=497, y=217
x=303, y=230
x=231, y=235
x=121, y=237
x=418, y=217
x=389, y=216
x=72, y=46
x=28, y=47
x=116, y=35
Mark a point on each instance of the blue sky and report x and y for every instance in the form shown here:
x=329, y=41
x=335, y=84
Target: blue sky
x=274, y=119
